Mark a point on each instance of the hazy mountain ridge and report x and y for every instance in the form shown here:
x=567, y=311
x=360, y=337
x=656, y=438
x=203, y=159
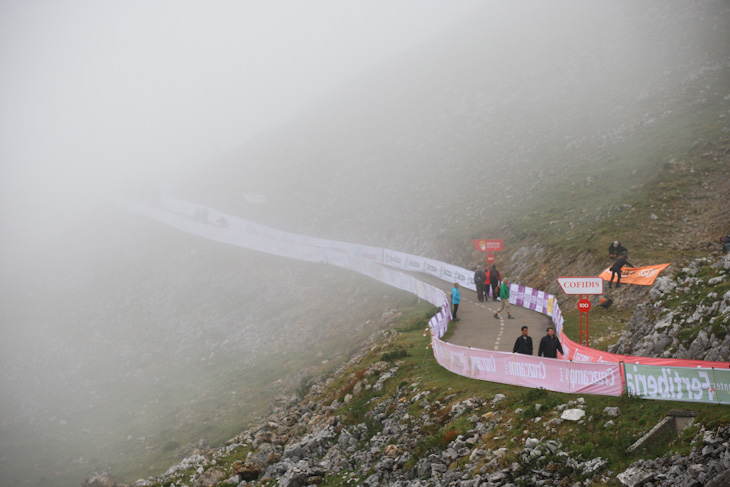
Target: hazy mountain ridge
x=468, y=134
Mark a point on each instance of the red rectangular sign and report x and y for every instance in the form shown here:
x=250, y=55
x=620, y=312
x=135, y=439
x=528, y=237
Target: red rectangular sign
x=484, y=245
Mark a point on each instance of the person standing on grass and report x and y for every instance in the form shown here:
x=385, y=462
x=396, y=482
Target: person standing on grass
x=550, y=345
x=616, y=249
x=616, y=269
x=504, y=296
x=455, y=300
x=523, y=344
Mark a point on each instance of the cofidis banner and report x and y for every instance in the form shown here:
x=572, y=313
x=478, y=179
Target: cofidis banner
x=678, y=383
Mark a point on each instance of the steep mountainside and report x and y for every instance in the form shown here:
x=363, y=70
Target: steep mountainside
x=392, y=416
x=556, y=140
x=492, y=132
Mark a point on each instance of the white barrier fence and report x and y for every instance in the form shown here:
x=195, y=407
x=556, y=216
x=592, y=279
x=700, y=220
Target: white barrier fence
x=384, y=264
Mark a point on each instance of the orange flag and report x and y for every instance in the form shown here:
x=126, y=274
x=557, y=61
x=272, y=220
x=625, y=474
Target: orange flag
x=644, y=276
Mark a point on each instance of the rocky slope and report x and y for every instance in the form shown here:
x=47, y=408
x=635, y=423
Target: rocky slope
x=686, y=316
x=377, y=426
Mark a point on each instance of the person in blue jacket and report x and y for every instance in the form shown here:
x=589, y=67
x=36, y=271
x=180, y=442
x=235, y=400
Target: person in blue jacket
x=455, y=300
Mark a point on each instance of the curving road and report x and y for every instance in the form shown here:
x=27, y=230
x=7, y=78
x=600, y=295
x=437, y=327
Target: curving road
x=478, y=328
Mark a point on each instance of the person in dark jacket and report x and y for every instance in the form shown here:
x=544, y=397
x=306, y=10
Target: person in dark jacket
x=616, y=249
x=523, y=343
x=616, y=269
x=494, y=278
x=479, y=278
x=550, y=345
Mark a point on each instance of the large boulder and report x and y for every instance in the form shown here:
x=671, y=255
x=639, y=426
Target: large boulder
x=246, y=471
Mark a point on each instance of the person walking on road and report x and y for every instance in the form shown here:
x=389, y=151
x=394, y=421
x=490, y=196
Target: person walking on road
x=616, y=269
x=550, y=345
x=494, y=278
x=504, y=296
x=455, y=300
x=523, y=344
x=479, y=278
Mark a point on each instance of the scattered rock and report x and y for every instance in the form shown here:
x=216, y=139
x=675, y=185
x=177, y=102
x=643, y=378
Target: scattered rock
x=498, y=398
x=572, y=414
x=612, y=411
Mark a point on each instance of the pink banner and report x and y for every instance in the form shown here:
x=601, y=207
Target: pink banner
x=530, y=371
x=490, y=366
x=580, y=353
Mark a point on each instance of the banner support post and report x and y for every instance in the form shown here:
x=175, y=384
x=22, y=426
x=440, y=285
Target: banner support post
x=587, y=335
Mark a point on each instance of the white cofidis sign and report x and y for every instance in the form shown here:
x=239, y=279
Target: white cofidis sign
x=581, y=285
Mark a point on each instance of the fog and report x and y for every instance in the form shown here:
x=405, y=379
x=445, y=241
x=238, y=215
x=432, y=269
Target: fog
x=389, y=123
x=93, y=93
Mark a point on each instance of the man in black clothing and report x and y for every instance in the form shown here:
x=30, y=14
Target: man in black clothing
x=615, y=249
x=549, y=345
x=523, y=343
x=479, y=277
x=494, y=278
x=616, y=269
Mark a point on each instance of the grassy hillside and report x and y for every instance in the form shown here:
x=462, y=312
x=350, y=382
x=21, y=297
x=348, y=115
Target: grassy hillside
x=439, y=411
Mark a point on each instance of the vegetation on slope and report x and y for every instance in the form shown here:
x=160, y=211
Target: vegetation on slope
x=443, y=408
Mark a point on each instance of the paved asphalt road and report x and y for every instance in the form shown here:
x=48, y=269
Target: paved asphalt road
x=478, y=328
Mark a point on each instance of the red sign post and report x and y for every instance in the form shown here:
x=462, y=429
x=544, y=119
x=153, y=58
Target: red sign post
x=488, y=246
x=582, y=286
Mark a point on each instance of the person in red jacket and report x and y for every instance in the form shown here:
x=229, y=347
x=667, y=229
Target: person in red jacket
x=486, y=285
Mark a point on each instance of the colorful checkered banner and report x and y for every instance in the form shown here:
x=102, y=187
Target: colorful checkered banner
x=539, y=301
x=678, y=383
x=529, y=371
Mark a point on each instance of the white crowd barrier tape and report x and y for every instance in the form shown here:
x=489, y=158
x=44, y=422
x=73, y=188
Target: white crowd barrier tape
x=384, y=265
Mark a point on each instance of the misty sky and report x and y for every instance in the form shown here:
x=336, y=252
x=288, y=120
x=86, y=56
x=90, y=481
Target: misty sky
x=93, y=91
